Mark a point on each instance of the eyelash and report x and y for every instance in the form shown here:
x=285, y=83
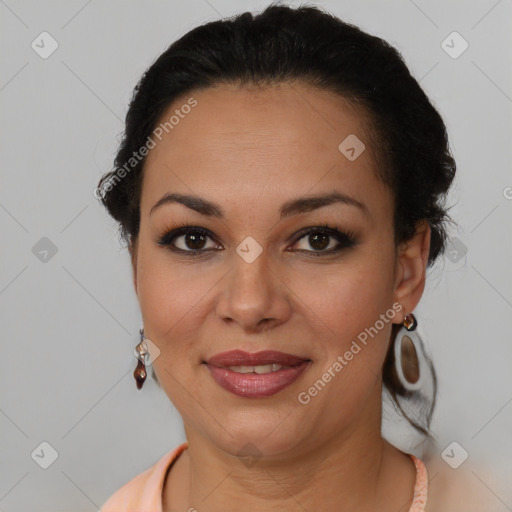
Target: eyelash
x=346, y=239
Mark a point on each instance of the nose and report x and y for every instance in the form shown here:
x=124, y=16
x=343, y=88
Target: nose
x=253, y=295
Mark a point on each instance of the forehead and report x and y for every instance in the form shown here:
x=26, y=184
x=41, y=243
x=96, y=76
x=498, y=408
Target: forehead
x=281, y=140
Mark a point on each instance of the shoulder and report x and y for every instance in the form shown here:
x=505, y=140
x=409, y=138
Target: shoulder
x=144, y=491
x=457, y=490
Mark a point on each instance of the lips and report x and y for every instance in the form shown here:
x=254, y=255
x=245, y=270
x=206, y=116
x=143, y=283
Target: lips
x=257, y=375
x=241, y=358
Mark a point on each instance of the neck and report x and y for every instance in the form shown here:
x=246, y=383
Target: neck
x=354, y=467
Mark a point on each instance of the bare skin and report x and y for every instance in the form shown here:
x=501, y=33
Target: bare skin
x=249, y=151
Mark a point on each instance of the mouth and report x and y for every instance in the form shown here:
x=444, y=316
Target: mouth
x=256, y=375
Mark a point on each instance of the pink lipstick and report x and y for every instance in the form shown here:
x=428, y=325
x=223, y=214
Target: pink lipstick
x=255, y=375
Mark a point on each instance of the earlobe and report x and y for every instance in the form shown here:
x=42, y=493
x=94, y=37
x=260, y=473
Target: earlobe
x=412, y=268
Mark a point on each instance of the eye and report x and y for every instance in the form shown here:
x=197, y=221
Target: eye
x=325, y=240
x=192, y=240
x=188, y=239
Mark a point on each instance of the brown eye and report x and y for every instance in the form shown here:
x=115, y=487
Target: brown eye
x=194, y=241
x=324, y=240
x=191, y=240
x=319, y=241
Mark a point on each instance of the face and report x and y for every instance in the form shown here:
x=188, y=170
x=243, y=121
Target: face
x=260, y=270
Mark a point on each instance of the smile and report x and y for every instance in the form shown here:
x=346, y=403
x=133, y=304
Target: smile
x=256, y=381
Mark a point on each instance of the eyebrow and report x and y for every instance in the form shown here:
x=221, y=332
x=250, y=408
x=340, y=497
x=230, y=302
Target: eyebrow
x=292, y=207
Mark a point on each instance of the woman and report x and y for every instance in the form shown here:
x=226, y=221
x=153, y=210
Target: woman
x=280, y=187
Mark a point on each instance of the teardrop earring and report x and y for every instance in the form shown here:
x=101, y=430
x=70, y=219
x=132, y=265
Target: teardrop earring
x=409, y=365
x=141, y=350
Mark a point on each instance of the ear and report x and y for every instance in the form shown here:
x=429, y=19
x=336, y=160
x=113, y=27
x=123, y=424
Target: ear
x=412, y=258
x=133, y=256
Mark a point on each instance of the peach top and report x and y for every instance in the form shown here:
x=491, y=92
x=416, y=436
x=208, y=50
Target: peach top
x=144, y=492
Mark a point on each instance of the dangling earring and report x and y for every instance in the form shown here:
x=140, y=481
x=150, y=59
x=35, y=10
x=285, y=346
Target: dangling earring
x=141, y=350
x=409, y=365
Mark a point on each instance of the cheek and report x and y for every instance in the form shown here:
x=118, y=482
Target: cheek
x=349, y=302
x=169, y=294
x=348, y=298
x=353, y=341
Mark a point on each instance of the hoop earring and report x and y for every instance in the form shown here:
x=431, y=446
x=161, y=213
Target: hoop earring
x=408, y=347
x=141, y=351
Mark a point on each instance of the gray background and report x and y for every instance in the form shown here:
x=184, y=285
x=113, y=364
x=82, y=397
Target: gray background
x=70, y=320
